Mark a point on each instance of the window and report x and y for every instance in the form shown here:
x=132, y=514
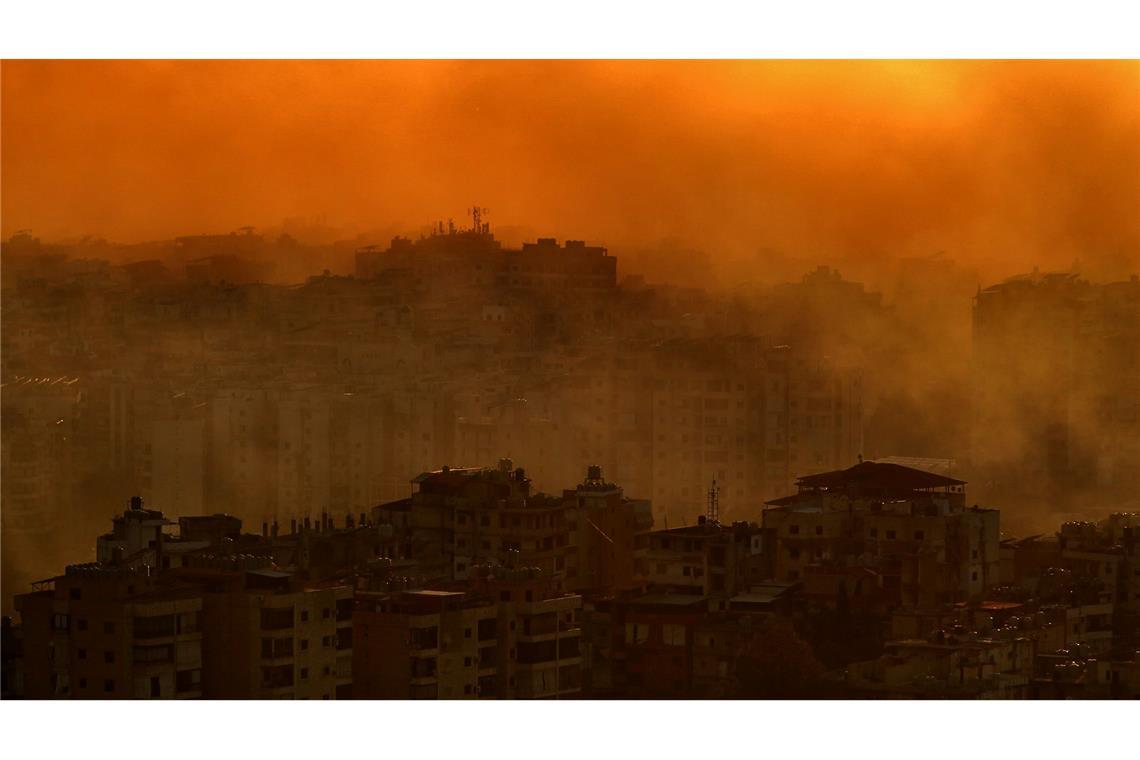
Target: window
x=108, y=627
x=155, y=687
x=974, y=575
x=504, y=596
x=304, y=644
x=673, y=635
x=304, y=674
x=61, y=622
x=794, y=530
x=188, y=680
x=467, y=689
x=466, y=662
x=109, y=685
x=81, y=624
x=326, y=613
x=83, y=683
x=304, y=616
x=74, y=594
x=466, y=633
x=874, y=532
x=919, y=535
x=109, y=657
x=82, y=653
x=890, y=535
x=819, y=530
x=636, y=633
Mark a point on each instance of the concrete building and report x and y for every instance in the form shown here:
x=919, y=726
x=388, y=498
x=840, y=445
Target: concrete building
x=101, y=632
x=424, y=645
x=911, y=527
x=272, y=635
x=507, y=635
x=707, y=558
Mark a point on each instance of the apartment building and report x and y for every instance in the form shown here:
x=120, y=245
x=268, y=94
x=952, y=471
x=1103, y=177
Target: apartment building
x=424, y=644
x=910, y=526
x=707, y=558
x=270, y=634
x=99, y=632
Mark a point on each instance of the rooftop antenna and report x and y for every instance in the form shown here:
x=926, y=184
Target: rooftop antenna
x=478, y=225
x=713, y=514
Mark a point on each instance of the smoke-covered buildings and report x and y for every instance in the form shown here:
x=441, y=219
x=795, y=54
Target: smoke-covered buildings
x=1056, y=405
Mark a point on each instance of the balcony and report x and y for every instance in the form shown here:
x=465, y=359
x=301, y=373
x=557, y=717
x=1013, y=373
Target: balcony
x=423, y=639
x=151, y=630
x=542, y=653
x=343, y=671
x=423, y=670
x=488, y=630
x=277, y=649
x=145, y=656
x=277, y=677
x=279, y=619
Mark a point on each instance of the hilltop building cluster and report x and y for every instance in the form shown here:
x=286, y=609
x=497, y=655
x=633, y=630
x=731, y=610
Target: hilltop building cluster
x=272, y=402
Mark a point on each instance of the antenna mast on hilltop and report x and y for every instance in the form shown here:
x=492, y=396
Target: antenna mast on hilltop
x=713, y=514
x=478, y=225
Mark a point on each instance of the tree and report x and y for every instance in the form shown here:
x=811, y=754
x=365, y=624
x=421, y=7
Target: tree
x=777, y=664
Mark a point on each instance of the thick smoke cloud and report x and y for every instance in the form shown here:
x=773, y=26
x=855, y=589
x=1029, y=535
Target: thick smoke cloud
x=1005, y=165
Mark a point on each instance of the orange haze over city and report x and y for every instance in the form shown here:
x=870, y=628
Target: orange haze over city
x=1003, y=165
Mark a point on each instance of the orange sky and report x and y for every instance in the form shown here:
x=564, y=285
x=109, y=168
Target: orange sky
x=1022, y=163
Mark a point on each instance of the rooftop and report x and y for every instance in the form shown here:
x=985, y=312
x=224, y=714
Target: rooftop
x=877, y=476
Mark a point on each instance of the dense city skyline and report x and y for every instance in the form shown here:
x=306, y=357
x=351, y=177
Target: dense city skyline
x=570, y=380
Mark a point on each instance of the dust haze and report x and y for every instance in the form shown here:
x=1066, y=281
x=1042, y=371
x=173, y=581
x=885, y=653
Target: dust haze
x=851, y=210
x=1005, y=165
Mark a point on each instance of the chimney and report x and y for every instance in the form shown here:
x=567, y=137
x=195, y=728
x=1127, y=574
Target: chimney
x=264, y=528
x=348, y=521
x=362, y=519
x=293, y=526
x=136, y=503
x=307, y=524
x=273, y=529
